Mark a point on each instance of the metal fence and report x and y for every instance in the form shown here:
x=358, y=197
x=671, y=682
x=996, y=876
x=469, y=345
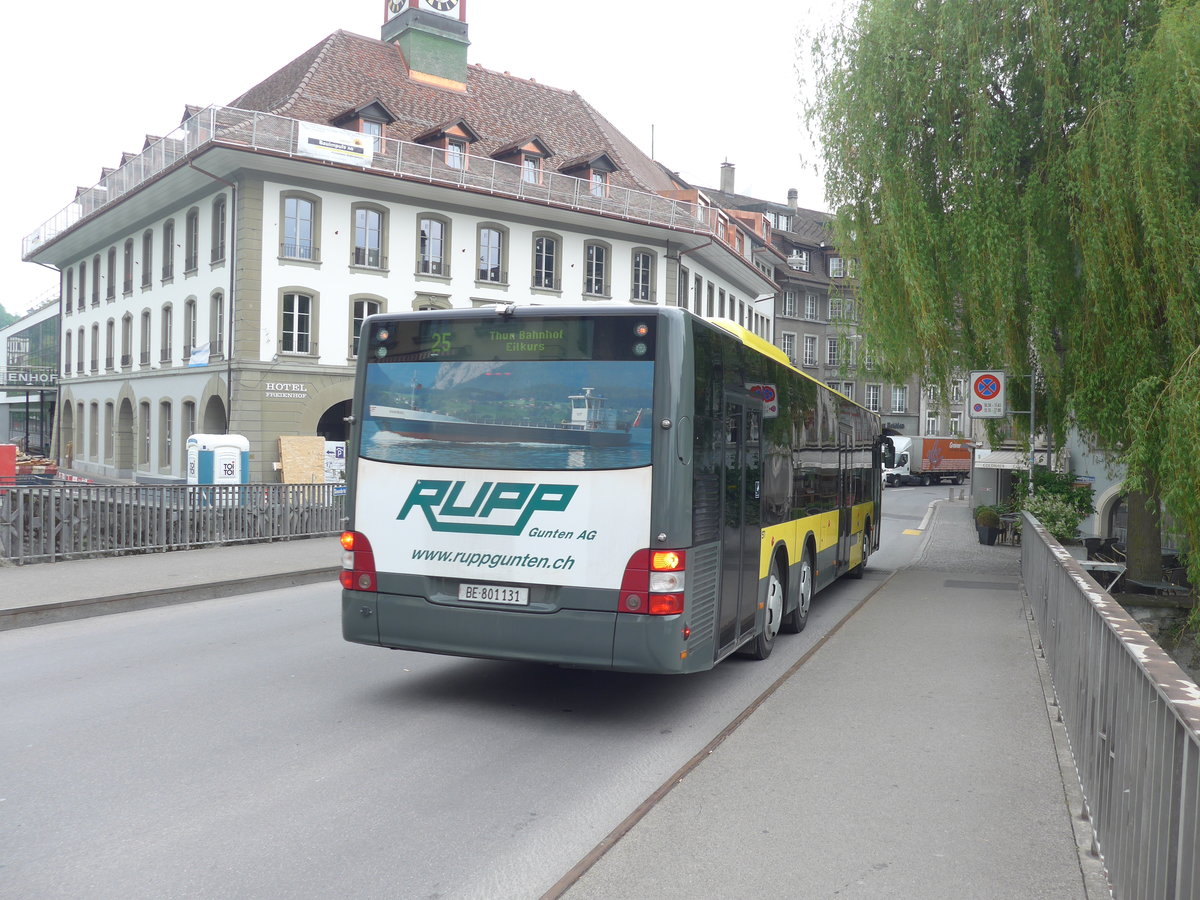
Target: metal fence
x=1133, y=719
x=47, y=523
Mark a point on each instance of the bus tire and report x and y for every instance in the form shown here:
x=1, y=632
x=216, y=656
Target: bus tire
x=798, y=617
x=764, y=641
x=860, y=570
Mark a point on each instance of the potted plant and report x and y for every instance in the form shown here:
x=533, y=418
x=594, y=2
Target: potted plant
x=987, y=524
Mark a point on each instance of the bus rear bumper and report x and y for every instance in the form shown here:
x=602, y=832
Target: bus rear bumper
x=567, y=637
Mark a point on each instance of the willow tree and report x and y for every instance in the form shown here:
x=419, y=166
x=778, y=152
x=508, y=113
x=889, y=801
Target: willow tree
x=1020, y=182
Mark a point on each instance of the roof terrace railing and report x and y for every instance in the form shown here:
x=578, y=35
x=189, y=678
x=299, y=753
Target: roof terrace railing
x=269, y=133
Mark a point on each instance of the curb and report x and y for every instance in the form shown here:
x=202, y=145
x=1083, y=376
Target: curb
x=66, y=611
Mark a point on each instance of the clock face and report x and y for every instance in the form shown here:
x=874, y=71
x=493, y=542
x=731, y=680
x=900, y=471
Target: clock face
x=443, y=6
x=394, y=6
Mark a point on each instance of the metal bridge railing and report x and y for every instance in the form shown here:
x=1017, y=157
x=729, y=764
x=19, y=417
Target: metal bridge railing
x=1133, y=720
x=48, y=523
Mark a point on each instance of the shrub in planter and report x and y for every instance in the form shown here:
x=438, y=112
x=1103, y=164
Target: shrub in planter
x=987, y=524
x=1058, y=515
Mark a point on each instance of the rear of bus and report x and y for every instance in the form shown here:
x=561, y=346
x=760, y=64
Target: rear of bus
x=501, y=484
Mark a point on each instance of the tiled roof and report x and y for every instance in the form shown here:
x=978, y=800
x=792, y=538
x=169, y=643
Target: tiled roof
x=346, y=70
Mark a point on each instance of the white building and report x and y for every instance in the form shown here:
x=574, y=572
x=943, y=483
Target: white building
x=216, y=281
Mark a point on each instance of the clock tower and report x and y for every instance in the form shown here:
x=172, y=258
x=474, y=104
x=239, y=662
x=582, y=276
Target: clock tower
x=432, y=35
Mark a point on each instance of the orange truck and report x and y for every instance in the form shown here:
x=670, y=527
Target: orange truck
x=929, y=460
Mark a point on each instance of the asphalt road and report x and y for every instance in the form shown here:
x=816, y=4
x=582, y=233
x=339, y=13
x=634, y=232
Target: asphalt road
x=239, y=748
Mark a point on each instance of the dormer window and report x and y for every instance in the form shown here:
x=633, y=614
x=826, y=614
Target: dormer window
x=456, y=153
x=369, y=119
x=531, y=170
x=599, y=184
x=798, y=259
x=375, y=130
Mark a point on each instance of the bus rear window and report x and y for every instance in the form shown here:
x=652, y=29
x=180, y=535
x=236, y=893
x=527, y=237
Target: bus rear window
x=510, y=393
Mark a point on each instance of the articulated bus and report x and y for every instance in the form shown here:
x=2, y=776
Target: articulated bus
x=612, y=487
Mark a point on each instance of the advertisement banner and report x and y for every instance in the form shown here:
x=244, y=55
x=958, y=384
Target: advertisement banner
x=334, y=144
x=495, y=525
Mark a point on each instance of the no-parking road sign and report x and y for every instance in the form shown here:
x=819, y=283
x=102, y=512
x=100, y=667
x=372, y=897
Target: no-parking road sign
x=987, y=400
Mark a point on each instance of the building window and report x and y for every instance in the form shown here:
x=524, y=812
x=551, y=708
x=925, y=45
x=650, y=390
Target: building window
x=697, y=294
x=168, y=250
x=95, y=359
x=144, y=349
x=67, y=352
x=810, y=307
x=434, y=240
x=956, y=424
x=126, y=340
x=837, y=267
x=108, y=430
x=82, y=285
x=599, y=184
x=165, y=434
x=189, y=328
x=147, y=258
x=79, y=353
x=931, y=423
x=531, y=170
x=68, y=289
x=491, y=255
x=789, y=304
x=191, y=241
x=545, y=262
x=710, y=299
x=874, y=398
x=189, y=428
x=110, y=342
x=900, y=398
x=166, y=348
x=96, y=280
x=456, y=153
x=110, y=281
x=299, y=228
x=216, y=326
x=831, y=351
x=798, y=259
x=144, y=428
x=219, y=208
x=835, y=309
x=643, y=275
x=296, y=333
x=94, y=431
x=359, y=310
x=787, y=343
x=595, y=275
x=368, y=237
x=810, y=350
x=957, y=390
x=127, y=268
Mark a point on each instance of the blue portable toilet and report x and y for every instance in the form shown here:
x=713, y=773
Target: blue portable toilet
x=218, y=459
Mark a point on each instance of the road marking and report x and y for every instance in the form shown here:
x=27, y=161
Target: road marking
x=911, y=531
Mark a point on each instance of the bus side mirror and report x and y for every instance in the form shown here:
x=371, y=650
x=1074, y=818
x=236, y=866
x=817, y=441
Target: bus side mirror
x=889, y=453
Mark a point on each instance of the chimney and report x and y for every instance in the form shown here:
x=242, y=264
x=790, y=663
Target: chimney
x=727, y=178
x=793, y=198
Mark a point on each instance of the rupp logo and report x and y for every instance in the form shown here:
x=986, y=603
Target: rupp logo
x=440, y=501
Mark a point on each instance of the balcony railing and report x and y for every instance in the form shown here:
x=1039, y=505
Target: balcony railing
x=261, y=131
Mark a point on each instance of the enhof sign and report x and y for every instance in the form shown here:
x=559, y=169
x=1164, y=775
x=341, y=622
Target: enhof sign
x=31, y=377
x=987, y=400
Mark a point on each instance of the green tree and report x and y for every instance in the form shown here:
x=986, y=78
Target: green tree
x=1021, y=184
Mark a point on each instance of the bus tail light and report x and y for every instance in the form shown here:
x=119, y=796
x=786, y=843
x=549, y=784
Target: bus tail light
x=653, y=583
x=358, y=562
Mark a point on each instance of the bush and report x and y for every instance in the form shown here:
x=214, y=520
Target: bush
x=987, y=516
x=1057, y=513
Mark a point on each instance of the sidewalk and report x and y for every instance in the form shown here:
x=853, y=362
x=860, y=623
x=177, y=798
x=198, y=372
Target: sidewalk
x=911, y=756
x=56, y=592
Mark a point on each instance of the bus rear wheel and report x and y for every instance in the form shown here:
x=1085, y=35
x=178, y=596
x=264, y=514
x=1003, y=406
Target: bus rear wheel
x=859, y=570
x=764, y=643
x=798, y=617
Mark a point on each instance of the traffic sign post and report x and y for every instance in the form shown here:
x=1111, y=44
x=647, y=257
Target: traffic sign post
x=988, y=395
